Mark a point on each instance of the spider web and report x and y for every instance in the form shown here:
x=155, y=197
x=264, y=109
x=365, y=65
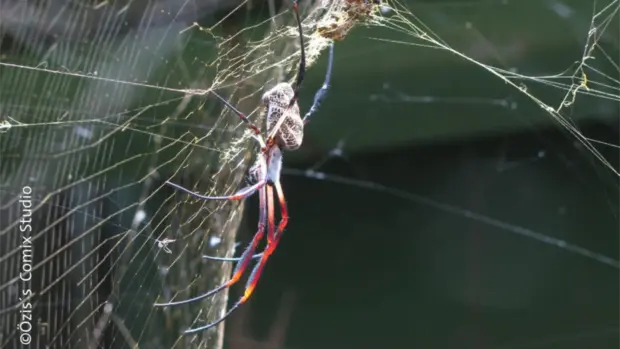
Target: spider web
x=591, y=75
x=94, y=123
x=99, y=109
x=495, y=226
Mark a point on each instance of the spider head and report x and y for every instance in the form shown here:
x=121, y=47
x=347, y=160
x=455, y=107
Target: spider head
x=283, y=120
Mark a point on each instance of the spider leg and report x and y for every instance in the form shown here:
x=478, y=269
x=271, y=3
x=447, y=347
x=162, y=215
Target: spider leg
x=245, y=259
x=302, y=62
x=240, y=114
x=258, y=269
x=270, y=215
x=241, y=194
x=230, y=259
x=322, y=92
x=283, y=211
x=266, y=218
x=249, y=289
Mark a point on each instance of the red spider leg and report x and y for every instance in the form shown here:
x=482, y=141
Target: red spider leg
x=270, y=214
x=251, y=284
x=283, y=212
x=262, y=218
x=271, y=245
x=272, y=234
x=258, y=269
x=245, y=259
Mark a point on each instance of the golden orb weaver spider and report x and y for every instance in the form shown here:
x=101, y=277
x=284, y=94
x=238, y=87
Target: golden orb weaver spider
x=284, y=128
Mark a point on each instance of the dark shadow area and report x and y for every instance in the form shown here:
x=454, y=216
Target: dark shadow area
x=483, y=247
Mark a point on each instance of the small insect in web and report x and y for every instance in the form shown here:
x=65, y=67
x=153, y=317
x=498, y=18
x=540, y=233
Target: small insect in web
x=284, y=130
x=163, y=244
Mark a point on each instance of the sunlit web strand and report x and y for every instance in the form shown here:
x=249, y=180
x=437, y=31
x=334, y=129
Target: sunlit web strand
x=458, y=211
x=197, y=92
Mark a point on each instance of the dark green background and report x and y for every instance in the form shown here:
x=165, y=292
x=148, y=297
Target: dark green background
x=373, y=269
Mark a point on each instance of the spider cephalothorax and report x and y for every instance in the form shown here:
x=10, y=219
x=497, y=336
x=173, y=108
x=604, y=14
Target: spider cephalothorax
x=283, y=117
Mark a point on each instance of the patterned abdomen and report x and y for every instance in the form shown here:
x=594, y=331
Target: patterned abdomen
x=290, y=127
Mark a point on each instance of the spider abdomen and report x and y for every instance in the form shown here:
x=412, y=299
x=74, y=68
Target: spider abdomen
x=282, y=117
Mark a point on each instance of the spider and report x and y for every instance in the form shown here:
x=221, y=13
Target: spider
x=284, y=129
